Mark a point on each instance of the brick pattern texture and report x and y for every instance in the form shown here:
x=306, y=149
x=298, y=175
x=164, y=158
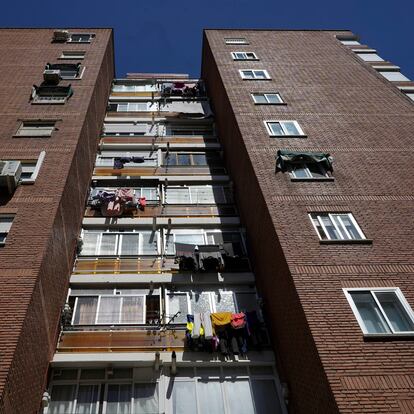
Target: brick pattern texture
x=36, y=262
x=347, y=109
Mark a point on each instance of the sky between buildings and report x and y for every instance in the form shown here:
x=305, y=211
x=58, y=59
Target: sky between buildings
x=166, y=35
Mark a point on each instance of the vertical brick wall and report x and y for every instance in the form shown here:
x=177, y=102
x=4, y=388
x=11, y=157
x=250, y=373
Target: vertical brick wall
x=36, y=262
x=347, y=109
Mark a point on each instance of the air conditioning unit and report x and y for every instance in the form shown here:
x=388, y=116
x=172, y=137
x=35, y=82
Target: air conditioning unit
x=60, y=35
x=10, y=173
x=51, y=76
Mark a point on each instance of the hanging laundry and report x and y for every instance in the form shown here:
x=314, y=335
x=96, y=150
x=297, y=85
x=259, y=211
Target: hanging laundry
x=142, y=203
x=221, y=318
x=238, y=320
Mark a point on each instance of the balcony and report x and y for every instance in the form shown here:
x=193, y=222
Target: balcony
x=164, y=171
x=121, y=341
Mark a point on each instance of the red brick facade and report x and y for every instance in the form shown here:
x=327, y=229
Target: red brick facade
x=349, y=110
x=36, y=262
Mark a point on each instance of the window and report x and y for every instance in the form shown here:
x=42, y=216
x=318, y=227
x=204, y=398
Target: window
x=146, y=159
x=284, y=128
x=151, y=194
x=30, y=169
x=36, y=129
x=80, y=38
x=192, y=159
x=267, y=98
x=252, y=74
x=111, y=307
x=350, y=42
x=410, y=95
x=236, y=41
x=205, y=194
x=51, y=94
x=136, y=107
x=229, y=239
x=72, y=54
x=190, y=301
x=394, y=76
x=336, y=226
x=187, y=130
x=370, y=57
x=244, y=56
x=119, y=243
x=307, y=171
x=127, y=128
x=66, y=70
x=382, y=311
x=5, y=225
x=135, y=88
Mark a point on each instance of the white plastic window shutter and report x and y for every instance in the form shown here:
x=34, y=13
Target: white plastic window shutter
x=394, y=76
x=236, y=41
x=72, y=54
x=350, y=42
x=5, y=223
x=370, y=57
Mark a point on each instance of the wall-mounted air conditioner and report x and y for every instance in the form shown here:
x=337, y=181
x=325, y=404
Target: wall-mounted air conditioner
x=10, y=173
x=51, y=76
x=60, y=35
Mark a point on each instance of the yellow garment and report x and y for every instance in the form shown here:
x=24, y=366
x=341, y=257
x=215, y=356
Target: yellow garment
x=221, y=318
x=201, y=331
x=190, y=326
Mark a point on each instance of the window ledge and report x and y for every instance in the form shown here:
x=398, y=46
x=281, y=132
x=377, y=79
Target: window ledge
x=358, y=241
x=31, y=136
x=79, y=42
x=288, y=136
x=256, y=79
x=330, y=179
x=27, y=181
x=2, y=244
x=246, y=60
x=389, y=337
x=49, y=103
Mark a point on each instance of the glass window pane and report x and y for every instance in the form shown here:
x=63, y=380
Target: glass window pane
x=149, y=243
x=119, y=399
x=89, y=243
x=224, y=302
x=171, y=159
x=109, y=310
x=177, y=303
x=319, y=228
x=246, y=302
x=199, y=159
x=273, y=98
x=177, y=195
x=183, y=159
x=259, y=74
x=369, y=312
x=265, y=397
x=190, y=238
x=129, y=244
x=330, y=228
x=146, y=399
x=132, y=309
x=200, y=302
x=62, y=399
x=300, y=171
x=247, y=74
x=291, y=128
x=395, y=312
x=316, y=170
x=349, y=225
x=207, y=194
x=259, y=98
x=210, y=397
x=85, y=311
x=184, y=397
x=239, y=397
x=108, y=244
x=87, y=399
x=276, y=128
x=394, y=76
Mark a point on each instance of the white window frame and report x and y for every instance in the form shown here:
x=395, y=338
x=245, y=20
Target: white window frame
x=308, y=172
x=149, y=106
x=192, y=190
x=28, y=128
x=349, y=42
x=66, y=55
x=36, y=170
x=114, y=295
x=122, y=88
x=244, y=56
x=76, y=77
x=341, y=231
x=91, y=36
x=372, y=291
x=282, y=124
x=118, y=242
x=236, y=41
x=266, y=97
x=6, y=222
x=244, y=77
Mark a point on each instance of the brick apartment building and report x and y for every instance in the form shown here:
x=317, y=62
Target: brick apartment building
x=51, y=130
x=239, y=243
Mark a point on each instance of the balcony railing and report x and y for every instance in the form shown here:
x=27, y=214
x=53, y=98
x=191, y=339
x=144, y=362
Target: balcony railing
x=148, y=171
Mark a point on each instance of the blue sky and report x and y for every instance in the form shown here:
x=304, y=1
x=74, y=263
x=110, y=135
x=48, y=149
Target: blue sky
x=165, y=36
